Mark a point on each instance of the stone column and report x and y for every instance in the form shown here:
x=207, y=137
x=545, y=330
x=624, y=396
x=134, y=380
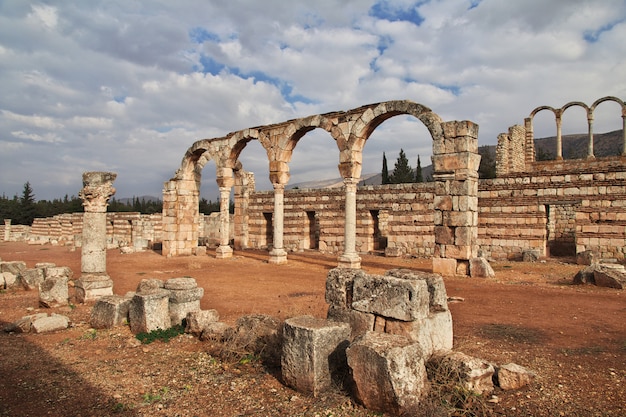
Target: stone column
x=590, y=154
x=94, y=281
x=624, y=131
x=559, y=141
x=350, y=258
x=224, y=250
x=278, y=254
x=7, y=230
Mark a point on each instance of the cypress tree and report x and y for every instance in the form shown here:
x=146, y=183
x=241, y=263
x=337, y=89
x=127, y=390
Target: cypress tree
x=418, y=171
x=402, y=172
x=385, y=173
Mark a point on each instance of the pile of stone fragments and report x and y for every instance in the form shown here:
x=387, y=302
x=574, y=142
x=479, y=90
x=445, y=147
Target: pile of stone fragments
x=380, y=334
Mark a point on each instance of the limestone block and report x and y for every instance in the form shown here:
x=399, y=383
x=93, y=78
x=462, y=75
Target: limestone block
x=197, y=320
x=313, y=353
x=388, y=372
x=359, y=322
x=444, y=266
x=401, y=299
x=31, y=278
x=150, y=284
x=480, y=268
x=512, y=376
x=44, y=265
x=149, y=311
x=91, y=287
x=50, y=323
x=214, y=331
x=179, y=311
x=7, y=279
x=531, y=255
x=57, y=271
x=339, y=286
x=110, y=311
x=259, y=334
x=438, y=297
x=585, y=276
x=610, y=276
x=14, y=267
x=185, y=296
x=475, y=374
x=24, y=324
x=587, y=257
x=53, y=292
x=434, y=334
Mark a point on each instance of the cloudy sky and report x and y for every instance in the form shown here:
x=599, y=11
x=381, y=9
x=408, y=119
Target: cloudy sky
x=128, y=85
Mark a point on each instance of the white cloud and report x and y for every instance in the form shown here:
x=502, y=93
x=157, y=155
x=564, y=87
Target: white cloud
x=118, y=85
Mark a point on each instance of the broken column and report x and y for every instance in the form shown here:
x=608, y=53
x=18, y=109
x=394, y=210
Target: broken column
x=94, y=281
x=184, y=298
x=7, y=230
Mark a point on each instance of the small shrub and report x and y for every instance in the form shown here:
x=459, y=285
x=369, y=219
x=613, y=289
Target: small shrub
x=160, y=334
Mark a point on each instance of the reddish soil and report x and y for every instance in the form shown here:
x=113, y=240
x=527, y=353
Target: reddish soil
x=573, y=337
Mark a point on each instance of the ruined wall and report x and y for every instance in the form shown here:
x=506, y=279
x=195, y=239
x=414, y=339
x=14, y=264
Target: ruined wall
x=564, y=208
x=398, y=218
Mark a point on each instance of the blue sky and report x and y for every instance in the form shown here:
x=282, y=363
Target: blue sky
x=128, y=86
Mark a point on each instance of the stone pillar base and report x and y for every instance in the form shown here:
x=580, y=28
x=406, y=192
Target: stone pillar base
x=278, y=256
x=352, y=261
x=92, y=287
x=223, y=252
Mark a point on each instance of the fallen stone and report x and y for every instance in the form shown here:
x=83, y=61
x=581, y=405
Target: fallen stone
x=387, y=296
x=92, y=287
x=149, y=311
x=215, y=331
x=434, y=333
x=7, y=280
x=31, y=278
x=150, y=284
x=359, y=322
x=436, y=287
x=313, y=354
x=258, y=334
x=480, y=268
x=53, y=292
x=57, y=271
x=474, y=374
x=585, y=276
x=14, y=267
x=585, y=258
x=185, y=283
x=613, y=276
x=45, y=265
x=388, y=373
x=512, y=376
x=339, y=286
x=24, y=324
x=531, y=255
x=197, y=321
x=110, y=311
x=50, y=323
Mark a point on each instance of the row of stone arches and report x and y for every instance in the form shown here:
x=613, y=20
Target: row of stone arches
x=558, y=115
x=455, y=161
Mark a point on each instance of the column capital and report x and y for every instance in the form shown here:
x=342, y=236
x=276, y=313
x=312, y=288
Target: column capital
x=97, y=189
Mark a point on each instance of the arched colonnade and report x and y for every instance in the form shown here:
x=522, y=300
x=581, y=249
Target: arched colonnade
x=558, y=114
x=455, y=162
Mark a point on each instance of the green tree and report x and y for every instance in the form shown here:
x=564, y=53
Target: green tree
x=418, y=171
x=27, y=206
x=402, y=171
x=385, y=173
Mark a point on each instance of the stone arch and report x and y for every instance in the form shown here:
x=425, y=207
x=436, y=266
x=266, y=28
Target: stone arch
x=623, y=107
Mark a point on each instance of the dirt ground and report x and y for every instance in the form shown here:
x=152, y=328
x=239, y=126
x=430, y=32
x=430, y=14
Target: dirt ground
x=573, y=337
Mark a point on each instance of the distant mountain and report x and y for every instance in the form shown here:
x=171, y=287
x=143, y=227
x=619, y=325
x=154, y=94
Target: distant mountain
x=575, y=146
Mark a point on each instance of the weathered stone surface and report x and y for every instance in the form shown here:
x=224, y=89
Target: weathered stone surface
x=57, y=271
x=444, y=266
x=359, y=322
x=178, y=311
x=531, y=255
x=313, y=354
x=434, y=334
x=149, y=311
x=91, y=287
x=50, y=323
x=196, y=321
x=585, y=276
x=388, y=372
x=586, y=257
x=53, y=292
x=512, y=376
x=339, y=286
x=110, y=311
x=14, y=267
x=24, y=324
x=438, y=300
x=612, y=276
x=215, y=331
x=474, y=374
x=31, y=278
x=45, y=265
x=184, y=283
x=401, y=299
x=7, y=279
x=480, y=268
x=186, y=296
x=150, y=284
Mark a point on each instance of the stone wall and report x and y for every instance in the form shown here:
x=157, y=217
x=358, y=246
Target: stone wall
x=396, y=218
x=564, y=208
